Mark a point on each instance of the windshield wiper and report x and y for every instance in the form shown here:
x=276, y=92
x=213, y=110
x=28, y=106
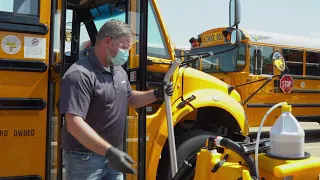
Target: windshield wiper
x=203, y=55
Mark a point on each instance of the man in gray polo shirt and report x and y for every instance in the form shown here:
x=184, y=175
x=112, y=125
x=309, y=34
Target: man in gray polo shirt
x=95, y=94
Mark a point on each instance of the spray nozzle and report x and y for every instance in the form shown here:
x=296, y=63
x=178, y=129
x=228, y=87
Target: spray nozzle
x=286, y=107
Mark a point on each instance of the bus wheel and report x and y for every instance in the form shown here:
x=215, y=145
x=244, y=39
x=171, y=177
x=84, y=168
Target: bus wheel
x=187, y=145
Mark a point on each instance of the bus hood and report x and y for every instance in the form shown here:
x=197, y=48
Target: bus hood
x=194, y=80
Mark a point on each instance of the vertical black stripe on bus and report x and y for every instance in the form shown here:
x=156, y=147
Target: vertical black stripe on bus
x=50, y=106
x=62, y=71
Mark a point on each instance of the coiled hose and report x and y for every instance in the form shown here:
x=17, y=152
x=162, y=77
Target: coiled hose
x=229, y=144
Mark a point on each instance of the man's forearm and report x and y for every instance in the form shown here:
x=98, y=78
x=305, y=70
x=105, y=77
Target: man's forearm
x=141, y=98
x=86, y=135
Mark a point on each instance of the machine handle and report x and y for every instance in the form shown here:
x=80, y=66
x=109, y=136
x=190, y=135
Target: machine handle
x=172, y=145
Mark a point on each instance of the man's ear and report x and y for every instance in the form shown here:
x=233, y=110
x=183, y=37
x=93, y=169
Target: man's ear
x=107, y=40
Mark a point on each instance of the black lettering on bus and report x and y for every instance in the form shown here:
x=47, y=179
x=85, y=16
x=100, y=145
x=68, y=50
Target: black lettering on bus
x=3, y=133
x=23, y=132
x=219, y=37
x=212, y=38
x=208, y=38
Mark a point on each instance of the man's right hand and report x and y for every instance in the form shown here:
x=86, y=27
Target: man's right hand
x=120, y=160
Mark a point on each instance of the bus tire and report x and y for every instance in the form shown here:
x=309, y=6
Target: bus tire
x=186, y=144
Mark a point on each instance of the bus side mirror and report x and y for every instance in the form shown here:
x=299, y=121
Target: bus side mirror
x=257, y=56
x=232, y=36
x=279, y=61
x=236, y=37
x=234, y=13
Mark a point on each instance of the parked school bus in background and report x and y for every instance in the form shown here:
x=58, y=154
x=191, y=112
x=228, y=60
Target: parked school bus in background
x=35, y=53
x=253, y=60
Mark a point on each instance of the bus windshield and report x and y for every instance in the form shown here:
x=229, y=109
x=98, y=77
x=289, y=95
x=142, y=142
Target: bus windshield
x=230, y=61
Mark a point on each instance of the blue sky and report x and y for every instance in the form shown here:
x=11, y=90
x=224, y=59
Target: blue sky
x=187, y=18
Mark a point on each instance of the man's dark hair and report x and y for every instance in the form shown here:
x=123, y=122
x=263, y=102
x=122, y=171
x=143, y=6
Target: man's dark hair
x=114, y=29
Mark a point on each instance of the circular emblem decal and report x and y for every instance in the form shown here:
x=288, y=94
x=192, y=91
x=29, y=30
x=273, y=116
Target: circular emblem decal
x=11, y=44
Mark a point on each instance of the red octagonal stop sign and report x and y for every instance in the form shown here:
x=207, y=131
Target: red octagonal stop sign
x=286, y=83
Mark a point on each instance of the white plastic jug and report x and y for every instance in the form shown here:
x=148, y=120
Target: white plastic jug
x=287, y=135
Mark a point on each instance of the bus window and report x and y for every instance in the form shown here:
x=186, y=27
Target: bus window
x=293, y=60
x=230, y=61
x=26, y=7
x=267, y=66
x=241, y=59
x=156, y=44
x=195, y=65
x=312, y=65
x=99, y=21
x=178, y=52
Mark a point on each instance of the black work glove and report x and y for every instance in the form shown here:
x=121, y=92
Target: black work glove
x=118, y=161
x=159, y=92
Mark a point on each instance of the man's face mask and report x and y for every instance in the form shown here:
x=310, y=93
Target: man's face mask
x=121, y=57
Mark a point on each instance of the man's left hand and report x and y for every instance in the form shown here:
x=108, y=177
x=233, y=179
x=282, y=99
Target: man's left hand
x=159, y=93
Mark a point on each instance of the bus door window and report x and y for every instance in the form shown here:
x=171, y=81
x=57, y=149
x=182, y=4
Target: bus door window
x=294, y=60
x=27, y=7
x=267, y=64
x=312, y=64
x=156, y=48
x=156, y=45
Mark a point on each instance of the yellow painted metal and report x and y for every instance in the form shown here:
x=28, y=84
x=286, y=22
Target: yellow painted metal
x=269, y=168
x=307, y=103
x=206, y=160
x=298, y=169
x=205, y=95
x=29, y=155
x=23, y=149
x=209, y=92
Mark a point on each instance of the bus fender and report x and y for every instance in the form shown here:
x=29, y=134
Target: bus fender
x=204, y=98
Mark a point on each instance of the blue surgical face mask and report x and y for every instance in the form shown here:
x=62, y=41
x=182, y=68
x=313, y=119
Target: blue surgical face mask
x=121, y=57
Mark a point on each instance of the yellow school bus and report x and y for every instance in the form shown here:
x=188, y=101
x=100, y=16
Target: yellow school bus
x=249, y=66
x=40, y=39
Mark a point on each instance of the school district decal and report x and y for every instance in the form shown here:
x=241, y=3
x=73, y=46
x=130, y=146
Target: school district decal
x=11, y=44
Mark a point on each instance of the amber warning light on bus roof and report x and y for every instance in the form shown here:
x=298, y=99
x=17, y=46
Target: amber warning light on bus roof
x=227, y=34
x=195, y=41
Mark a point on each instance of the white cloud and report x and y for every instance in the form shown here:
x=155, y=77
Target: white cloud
x=315, y=34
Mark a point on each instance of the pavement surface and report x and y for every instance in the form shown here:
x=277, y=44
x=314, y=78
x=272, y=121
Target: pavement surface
x=312, y=136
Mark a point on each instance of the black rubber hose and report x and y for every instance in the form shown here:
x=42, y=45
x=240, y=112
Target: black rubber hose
x=183, y=171
x=229, y=144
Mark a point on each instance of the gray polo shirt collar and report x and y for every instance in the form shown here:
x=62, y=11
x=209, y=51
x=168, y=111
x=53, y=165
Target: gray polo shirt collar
x=96, y=63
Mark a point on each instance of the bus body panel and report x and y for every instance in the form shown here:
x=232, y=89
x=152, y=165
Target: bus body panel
x=24, y=87
x=303, y=63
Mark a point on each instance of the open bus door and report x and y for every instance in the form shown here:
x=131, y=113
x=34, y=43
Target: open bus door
x=33, y=60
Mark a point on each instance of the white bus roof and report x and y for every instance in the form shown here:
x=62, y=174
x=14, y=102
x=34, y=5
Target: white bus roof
x=282, y=39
